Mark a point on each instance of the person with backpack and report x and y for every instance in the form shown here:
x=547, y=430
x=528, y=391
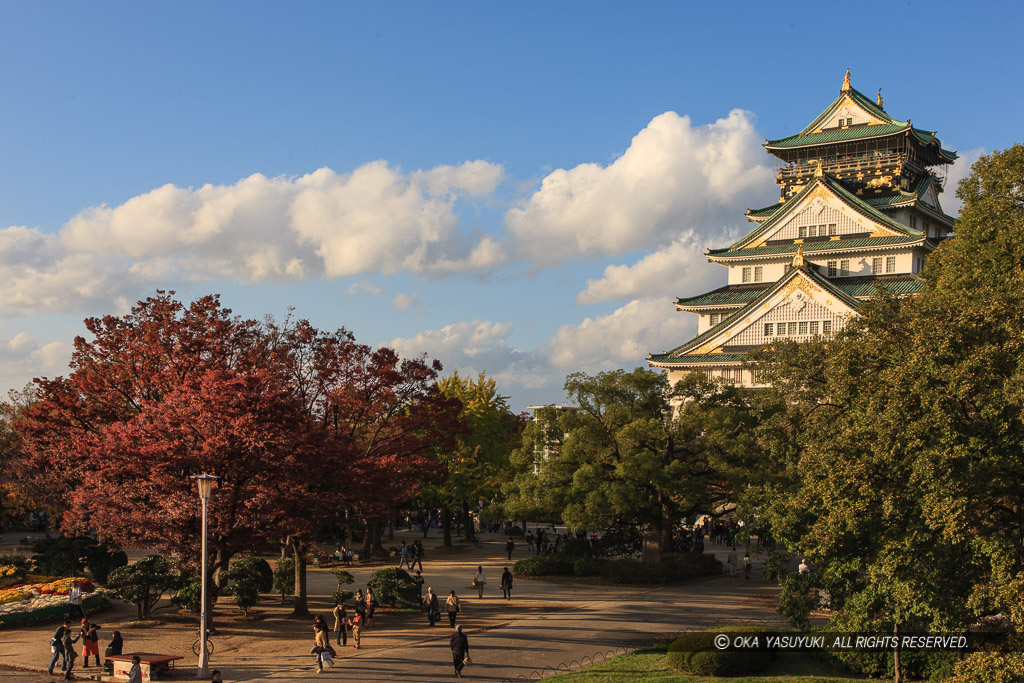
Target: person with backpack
x=57, y=647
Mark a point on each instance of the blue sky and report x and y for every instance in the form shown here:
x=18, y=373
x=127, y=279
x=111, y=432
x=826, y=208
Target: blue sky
x=520, y=188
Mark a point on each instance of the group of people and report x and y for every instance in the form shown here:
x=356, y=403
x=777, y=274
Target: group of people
x=62, y=645
x=734, y=561
x=410, y=555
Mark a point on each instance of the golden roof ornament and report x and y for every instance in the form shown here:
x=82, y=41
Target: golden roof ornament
x=879, y=99
x=798, y=258
x=846, y=80
x=819, y=170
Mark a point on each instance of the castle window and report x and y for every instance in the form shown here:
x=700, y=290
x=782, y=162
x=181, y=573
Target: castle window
x=768, y=329
x=737, y=374
x=758, y=273
x=844, y=267
x=832, y=269
x=831, y=228
x=746, y=274
x=786, y=268
x=876, y=265
x=913, y=222
x=803, y=231
x=814, y=327
x=713, y=319
x=792, y=329
x=803, y=328
x=826, y=327
x=890, y=264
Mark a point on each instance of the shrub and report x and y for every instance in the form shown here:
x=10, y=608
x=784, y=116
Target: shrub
x=69, y=556
x=13, y=569
x=189, y=594
x=394, y=586
x=284, y=577
x=695, y=653
x=989, y=667
x=670, y=570
x=344, y=579
x=249, y=576
x=144, y=582
x=578, y=547
x=619, y=542
x=587, y=566
x=544, y=565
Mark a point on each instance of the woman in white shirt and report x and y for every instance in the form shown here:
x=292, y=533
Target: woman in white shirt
x=480, y=580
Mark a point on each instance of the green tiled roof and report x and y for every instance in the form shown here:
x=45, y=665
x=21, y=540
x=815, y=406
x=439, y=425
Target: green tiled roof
x=725, y=296
x=740, y=295
x=765, y=211
x=815, y=246
x=703, y=358
x=838, y=135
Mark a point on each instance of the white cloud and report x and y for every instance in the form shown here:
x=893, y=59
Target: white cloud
x=674, y=270
x=323, y=224
x=363, y=287
x=960, y=169
x=21, y=359
x=673, y=176
x=622, y=338
x=401, y=302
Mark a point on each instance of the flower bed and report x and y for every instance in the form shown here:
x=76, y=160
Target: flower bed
x=29, y=600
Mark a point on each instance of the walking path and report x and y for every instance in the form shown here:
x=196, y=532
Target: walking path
x=546, y=624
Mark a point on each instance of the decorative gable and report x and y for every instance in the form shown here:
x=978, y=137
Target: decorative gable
x=819, y=212
x=844, y=113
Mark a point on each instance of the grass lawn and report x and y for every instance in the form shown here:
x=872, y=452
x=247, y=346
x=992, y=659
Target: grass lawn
x=649, y=666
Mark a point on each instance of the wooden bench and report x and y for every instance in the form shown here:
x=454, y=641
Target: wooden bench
x=152, y=665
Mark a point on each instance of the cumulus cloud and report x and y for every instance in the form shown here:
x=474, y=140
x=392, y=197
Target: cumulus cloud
x=673, y=176
x=22, y=358
x=401, y=302
x=674, y=270
x=960, y=169
x=260, y=229
x=622, y=338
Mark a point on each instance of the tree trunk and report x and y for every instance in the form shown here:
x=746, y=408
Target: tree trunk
x=897, y=675
x=391, y=529
x=301, y=609
x=665, y=531
x=446, y=527
x=378, y=549
x=467, y=522
x=368, y=541
x=651, y=551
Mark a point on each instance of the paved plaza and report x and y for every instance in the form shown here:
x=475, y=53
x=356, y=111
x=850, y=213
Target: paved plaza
x=546, y=625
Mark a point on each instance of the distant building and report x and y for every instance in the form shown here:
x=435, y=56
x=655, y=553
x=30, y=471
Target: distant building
x=552, y=438
x=859, y=207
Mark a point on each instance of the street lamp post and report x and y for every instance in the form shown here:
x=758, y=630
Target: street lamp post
x=205, y=483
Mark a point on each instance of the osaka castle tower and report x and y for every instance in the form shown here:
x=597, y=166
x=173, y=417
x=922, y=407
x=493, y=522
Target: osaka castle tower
x=859, y=207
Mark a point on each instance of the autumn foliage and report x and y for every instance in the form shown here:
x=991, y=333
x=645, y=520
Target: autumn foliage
x=296, y=422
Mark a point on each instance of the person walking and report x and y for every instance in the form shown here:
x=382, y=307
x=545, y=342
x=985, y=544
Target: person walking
x=90, y=642
x=430, y=602
x=57, y=646
x=341, y=622
x=321, y=644
x=75, y=611
x=417, y=556
x=459, y=644
x=510, y=545
x=135, y=673
x=506, y=584
x=404, y=556
x=529, y=542
x=452, y=607
x=419, y=581
x=69, y=652
x=479, y=581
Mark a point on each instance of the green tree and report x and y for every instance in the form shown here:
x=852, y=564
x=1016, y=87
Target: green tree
x=636, y=451
x=248, y=576
x=906, y=431
x=143, y=583
x=284, y=577
x=479, y=462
